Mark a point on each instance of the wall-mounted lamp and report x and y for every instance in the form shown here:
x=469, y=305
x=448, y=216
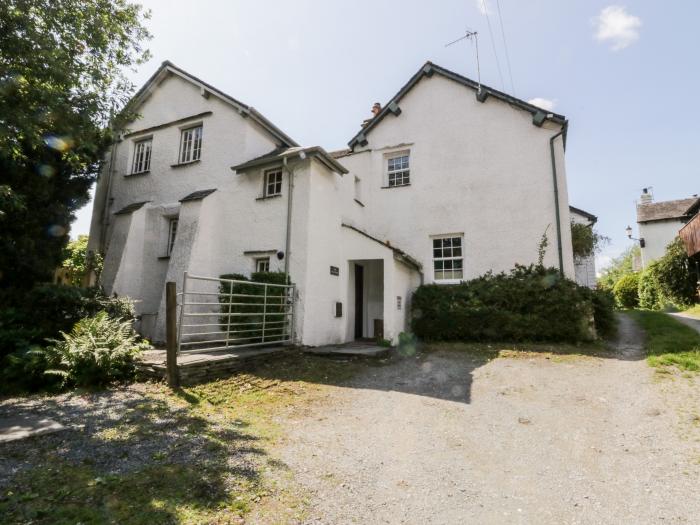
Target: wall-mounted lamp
x=628, y=230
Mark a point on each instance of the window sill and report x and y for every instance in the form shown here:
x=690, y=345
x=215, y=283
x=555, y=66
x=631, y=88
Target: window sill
x=137, y=174
x=398, y=186
x=447, y=281
x=183, y=164
x=164, y=257
x=266, y=197
x=359, y=202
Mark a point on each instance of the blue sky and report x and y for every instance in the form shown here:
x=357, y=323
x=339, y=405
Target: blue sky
x=626, y=76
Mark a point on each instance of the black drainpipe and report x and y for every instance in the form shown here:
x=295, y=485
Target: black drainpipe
x=556, y=199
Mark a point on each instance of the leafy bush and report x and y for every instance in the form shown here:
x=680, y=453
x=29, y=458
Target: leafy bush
x=604, y=312
x=585, y=241
x=249, y=307
x=528, y=304
x=98, y=351
x=626, y=291
x=618, y=267
x=648, y=289
x=669, y=281
x=28, y=320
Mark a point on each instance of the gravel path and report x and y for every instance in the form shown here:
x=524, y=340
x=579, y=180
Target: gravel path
x=447, y=437
x=688, y=320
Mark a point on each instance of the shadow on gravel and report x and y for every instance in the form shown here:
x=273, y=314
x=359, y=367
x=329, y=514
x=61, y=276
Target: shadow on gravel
x=125, y=458
x=444, y=374
x=441, y=370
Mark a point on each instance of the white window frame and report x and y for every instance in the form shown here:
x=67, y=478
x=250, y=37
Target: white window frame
x=447, y=254
x=141, y=162
x=398, y=175
x=272, y=186
x=190, y=144
x=173, y=223
x=262, y=262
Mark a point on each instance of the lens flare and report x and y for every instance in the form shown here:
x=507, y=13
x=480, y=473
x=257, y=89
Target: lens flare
x=56, y=230
x=61, y=144
x=46, y=171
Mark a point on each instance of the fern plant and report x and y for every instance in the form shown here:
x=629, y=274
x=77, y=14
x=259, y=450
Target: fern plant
x=98, y=351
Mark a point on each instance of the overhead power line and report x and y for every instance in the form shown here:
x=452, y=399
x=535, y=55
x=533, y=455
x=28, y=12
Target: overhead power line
x=493, y=43
x=505, y=46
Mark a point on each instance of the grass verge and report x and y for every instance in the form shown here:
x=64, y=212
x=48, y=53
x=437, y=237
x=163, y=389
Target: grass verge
x=203, y=454
x=694, y=311
x=669, y=342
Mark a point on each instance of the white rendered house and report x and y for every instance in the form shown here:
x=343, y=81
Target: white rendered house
x=446, y=182
x=659, y=223
x=584, y=266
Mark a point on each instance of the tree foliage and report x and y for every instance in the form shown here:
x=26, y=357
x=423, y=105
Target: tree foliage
x=62, y=77
x=621, y=265
x=585, y=240
x=78, y=262
x=670, y=280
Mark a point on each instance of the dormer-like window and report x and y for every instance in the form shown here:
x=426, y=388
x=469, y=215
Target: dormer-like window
x=191, y=144
x=398, y=172
x=142, y=156
x=273, y=183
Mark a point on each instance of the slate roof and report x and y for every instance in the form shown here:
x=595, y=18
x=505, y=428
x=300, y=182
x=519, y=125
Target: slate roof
x=397, y=252
x=583, y=213
x=664, y=210
x=130, y=208
x=427, y=70
x=280, y=153
x=168, y=67
x=197, y=195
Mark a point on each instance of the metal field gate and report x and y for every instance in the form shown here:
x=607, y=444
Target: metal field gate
x=220, y=314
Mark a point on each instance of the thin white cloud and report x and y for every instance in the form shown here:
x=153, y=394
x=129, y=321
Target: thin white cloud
x=483, y=7
x=543, y=103
x=617, y=27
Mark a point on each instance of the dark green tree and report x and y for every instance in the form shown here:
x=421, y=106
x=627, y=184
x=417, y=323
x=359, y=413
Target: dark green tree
x=62, y=79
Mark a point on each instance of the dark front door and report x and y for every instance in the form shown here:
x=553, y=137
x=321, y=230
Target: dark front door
x=359, y=300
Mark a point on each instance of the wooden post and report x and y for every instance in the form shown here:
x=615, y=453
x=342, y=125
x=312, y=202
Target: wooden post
x=171, y=335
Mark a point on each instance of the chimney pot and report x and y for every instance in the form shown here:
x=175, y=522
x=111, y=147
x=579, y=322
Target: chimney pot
x=376, y=108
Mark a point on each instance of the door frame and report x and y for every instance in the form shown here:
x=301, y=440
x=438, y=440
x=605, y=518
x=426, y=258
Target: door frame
x=359, y=301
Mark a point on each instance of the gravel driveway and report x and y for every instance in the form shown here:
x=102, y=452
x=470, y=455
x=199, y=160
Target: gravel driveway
x=449, y=437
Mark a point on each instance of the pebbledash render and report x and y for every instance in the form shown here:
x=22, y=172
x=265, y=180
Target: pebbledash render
x=447, y=181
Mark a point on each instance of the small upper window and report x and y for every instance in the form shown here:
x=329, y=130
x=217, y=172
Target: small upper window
x=447, y=258
x=142, y=156
x=262, y=264
x=273, y=183
x=172, y=233
x=398, y=172
x=191, y=144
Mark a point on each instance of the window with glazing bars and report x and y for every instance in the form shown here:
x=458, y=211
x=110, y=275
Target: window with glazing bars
x=447, y=258
x=172, y=232
x=262, y=264
x=398, y=171
x=273, y=183
x=191, y=144
x=142, y=156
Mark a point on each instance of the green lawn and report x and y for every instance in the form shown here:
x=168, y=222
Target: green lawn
x=669, y=342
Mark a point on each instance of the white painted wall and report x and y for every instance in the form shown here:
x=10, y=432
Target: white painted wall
x=584, y=267
x=478, y=169
x=657, y=236
x=481, y=169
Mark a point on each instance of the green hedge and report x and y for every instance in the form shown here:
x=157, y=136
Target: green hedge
x=528, y=304
x=252, y=306
x=626, y=291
